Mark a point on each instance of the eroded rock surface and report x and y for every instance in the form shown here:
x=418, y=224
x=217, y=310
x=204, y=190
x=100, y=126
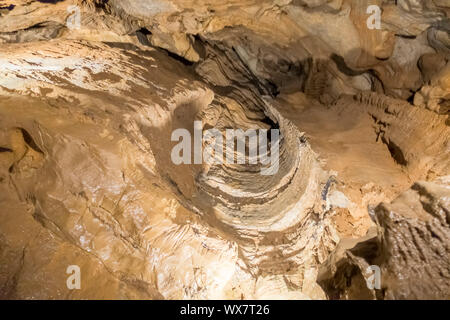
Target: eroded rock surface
x=411, y=249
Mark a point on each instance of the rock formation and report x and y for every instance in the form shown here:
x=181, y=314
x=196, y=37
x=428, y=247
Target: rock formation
x=92, y=92
x=420, y=217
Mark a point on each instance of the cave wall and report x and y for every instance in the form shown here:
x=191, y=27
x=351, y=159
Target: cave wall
x=87, y=111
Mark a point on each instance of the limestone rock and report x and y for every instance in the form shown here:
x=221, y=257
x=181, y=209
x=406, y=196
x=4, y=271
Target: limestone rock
x=411, y=248
x=93, y=91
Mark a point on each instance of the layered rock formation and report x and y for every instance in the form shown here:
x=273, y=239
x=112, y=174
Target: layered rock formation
x=92, y=91
x=411, y=248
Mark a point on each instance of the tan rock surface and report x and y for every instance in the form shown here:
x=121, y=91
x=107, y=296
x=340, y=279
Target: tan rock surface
x=412, y=250
x=86, y=176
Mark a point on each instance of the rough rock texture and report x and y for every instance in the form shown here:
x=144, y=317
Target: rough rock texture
x=86, y=176
x=100, y=177
x=411, y=249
